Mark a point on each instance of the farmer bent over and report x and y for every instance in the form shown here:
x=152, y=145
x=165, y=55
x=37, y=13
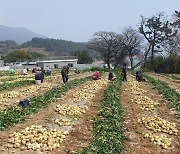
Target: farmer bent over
x=39, y=76
x=139, y=76
x=96, y=75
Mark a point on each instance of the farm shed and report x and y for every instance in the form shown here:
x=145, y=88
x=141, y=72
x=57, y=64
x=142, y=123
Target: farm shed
x=57, y=63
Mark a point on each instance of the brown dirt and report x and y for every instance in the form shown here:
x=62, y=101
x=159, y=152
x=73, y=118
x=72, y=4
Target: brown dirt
x=137, y=144
x=178, y=75
x=80, y=135
x=174, y=84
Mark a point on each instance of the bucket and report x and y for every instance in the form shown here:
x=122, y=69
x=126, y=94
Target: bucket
x=37, y=81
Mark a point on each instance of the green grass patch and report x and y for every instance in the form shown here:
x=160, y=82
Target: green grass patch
x=108, y=124
x=10, y=86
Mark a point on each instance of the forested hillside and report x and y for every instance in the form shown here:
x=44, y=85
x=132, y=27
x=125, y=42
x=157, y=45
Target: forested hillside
x=58, y=47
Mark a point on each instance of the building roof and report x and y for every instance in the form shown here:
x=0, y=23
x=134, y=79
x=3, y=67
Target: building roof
x=53, y=61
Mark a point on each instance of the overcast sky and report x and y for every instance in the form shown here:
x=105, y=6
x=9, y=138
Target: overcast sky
x=78, y=20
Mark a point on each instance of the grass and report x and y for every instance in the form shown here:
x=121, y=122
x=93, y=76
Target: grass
x=108, y=124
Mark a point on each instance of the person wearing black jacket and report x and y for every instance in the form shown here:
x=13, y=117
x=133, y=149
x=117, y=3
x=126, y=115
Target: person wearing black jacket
x=39, y=76
x=64, y=73
x=124, y=72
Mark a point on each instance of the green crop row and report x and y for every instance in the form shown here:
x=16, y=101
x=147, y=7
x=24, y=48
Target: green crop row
x=13, y=115
x=172, y=76
x=108, y=125
x=9, y=86
x=166, y=91
x=175, y=77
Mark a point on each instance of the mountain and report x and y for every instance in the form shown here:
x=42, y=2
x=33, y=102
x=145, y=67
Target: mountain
x=58, y=47
x=19, y=35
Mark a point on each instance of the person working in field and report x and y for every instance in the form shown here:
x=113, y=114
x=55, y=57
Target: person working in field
x=12, y=71
x=124, y=72
x=96, y=75
x=139, y=76
x=24, y=72
x=64, y=73
x=111, y=76
x=39, y=76
x=48, y=71
x=77, y=71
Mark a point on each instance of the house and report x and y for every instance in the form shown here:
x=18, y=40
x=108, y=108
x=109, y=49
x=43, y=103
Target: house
x=70, y=61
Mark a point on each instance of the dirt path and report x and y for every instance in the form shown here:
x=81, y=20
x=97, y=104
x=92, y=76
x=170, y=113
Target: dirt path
x=174, y=84
x=80, y=130
x=137, y=143
x=178, y=75
x=11, y=98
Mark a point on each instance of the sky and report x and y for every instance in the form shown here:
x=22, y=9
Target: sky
x=78, y=20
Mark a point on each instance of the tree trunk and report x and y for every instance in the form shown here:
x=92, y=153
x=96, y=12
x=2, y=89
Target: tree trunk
x=131, y=61
x=152, y=53
x=146, y=54
x=108, y=64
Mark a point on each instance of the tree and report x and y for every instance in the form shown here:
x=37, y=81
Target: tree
x=83, y=57
x=155, y=30
x=132, y=42
x=19, y=56
x=174, y=43
x=107, y=43
x=176, y=19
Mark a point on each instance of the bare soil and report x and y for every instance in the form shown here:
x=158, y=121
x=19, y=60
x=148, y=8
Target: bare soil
x=137, y=144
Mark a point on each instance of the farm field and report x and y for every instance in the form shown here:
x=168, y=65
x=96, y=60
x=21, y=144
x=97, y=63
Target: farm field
x=12, y=97
x=174, y=84
x=86, y=116
x=49, y=116
x=152, y=127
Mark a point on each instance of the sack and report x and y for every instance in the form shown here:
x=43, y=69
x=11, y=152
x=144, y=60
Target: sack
x=24, y=103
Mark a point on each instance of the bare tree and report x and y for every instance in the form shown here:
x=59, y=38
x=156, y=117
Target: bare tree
x=132, y=43
x=107, y=43
x=120, y=53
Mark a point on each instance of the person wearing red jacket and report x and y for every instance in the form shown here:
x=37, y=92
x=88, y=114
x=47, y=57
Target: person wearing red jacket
x=96, y=75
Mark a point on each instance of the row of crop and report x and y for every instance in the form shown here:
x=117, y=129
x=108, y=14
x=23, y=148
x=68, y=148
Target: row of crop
x=7, y=73
x=108, y=123
x=9, y=86
x=172, y=76
x=12, y=115
x=167, y=92
x=21, y=81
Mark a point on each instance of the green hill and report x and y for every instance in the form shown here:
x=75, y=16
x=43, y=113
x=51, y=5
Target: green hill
x=55, y=47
